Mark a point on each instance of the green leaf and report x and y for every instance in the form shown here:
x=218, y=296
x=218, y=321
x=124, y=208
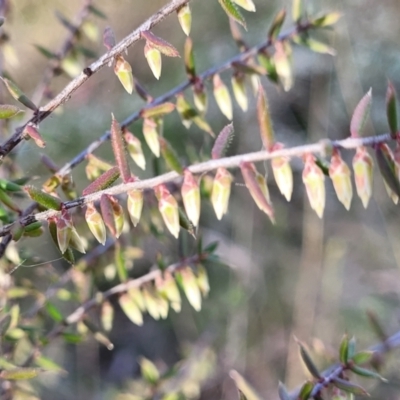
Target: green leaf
x=386, y=166
x=54, y=312
x=350, y=387
x=326, y=20
x=361, y=114
x=149, y=371
x=233, y=12
x=343, y=350
x=18, y=94
x=367, y=373
x=47, y=53
x=297, y=10
x=8, y=111
x=47, y=364
x=306, y=390
x=276, y=26
x=243, y=386
x=308, y=361
x=94, y=10
x=362, y=357
x=20, y=373
x=391, y=109
x=351, y=348
x=264, y=120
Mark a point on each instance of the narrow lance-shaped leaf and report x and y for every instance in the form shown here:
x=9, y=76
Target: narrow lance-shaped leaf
x=282, y=173
x=349, y=387
x=363, y=174
x=340, y=174
x=77, y=242
x=297, y=10
x=102, y=182
x=149, y=371
x=119, y=150
x=360, y=115
x=385, y=159
x=185, y=18
x=343, y=350
x=283, y=393
x=158, y=111
x=232, y=11
x=108, y=38
x=308, y=361
x=243, y=386
x=367, y=373
x=8, y=111
x=135, y=205
x=95, y=223
x=222, y=96
x=222, y=142
x=44, y=199
x=31, y=131
x=64, y=230
x=277, y=25
x=191, y=197
x=151, y=133
x=153, y=57
x=313, y=179
x=256, y=184
x=170, y=157
x=305, y=391
x=45, y=52
x=166, y=286
x=326, y=20
x=221, y=191
x=189, y=58
x=191, y=288
x=20, y=373
x=200, y=97
x=130, y=308
x=283, y=65
x=112, y=213
x=168, y=208
x=248, y=5
x=391, y=109
x=135, y=149
x=160, y=44
x=123, y=70
x=264, y=120
x=18, y=94
x=68, y=255
x=239, y=90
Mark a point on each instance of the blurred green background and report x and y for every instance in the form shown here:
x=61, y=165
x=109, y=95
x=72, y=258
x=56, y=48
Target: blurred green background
x=305, y=277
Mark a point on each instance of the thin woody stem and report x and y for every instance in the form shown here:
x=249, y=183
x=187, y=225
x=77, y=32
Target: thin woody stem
x=240, y=57
x=208, y=166
x=67, y=92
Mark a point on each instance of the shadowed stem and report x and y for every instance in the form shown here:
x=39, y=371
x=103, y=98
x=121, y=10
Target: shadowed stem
x=335, y=370
x=208, y=166
x=67, y=92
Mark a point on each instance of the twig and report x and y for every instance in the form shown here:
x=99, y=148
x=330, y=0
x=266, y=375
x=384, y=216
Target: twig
x=99, y=298
x=67, y=92
x=207, y=166
x=241, y=57
x=335, y=370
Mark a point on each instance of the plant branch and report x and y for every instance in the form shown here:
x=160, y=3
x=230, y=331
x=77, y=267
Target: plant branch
x=335, y=370
x=208, y=166
x=240, y=57
x=67, y=92
x=100, y=297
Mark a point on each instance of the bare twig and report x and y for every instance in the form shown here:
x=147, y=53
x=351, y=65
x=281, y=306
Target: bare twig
x=207, y=166
x=67, y=92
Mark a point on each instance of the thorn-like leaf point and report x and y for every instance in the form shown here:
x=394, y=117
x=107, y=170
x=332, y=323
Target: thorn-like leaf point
x=150, y=133
x=168, y=208
x=340, y=174
x=44, y=199
x=95, y=223
x=222, y=142
x=123, y=70
x=153, y=57
x=185, y=18
x=283, y=173
x=239, y=91
x=18, y=94
x=313, y=179
x=391, y=109
x=191, y=197
x=232, y=11
x=103, y=181
x=258, y=189
x=119, y=150
x=108, y=38
x=221, y=191
x=307, y=360
x=135, y=205
x=135, y=149
x=363, y=174
x=264, y=120
x=222, y=97
x=31, y=131
x=360, y=115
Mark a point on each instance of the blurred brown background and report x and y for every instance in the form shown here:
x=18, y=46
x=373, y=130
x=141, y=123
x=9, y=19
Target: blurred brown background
x=306, y=277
